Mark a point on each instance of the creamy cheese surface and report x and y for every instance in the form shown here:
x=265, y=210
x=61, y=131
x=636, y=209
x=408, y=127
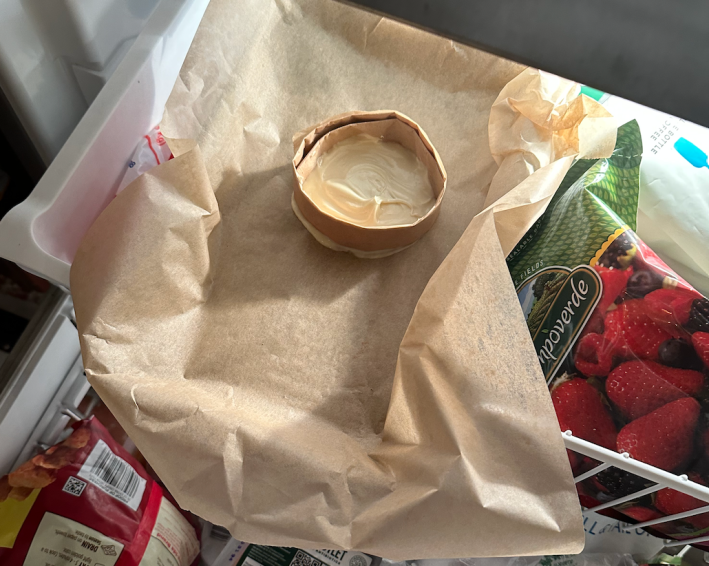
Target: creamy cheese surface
x=370, y=182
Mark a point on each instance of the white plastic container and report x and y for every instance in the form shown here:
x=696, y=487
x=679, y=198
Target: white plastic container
x=43, y=233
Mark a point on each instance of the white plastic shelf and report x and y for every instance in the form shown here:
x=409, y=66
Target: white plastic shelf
x=61, y=410
x=43, y=233
x=35, y=383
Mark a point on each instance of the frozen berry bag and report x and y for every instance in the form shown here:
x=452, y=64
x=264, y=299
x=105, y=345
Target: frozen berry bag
x=86, y=501
x=623, y=341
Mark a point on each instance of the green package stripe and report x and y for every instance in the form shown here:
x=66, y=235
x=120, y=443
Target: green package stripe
x=595, y=199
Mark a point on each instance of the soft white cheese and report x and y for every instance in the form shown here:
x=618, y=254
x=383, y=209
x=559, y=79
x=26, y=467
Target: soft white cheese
x=370, y=182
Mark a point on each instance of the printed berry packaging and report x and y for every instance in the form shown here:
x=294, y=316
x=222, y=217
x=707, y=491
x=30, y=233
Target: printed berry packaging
x=623, y=341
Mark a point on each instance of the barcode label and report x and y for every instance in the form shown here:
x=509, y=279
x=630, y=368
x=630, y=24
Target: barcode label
x=74, y=486
x=113, y=475
x=302, y=559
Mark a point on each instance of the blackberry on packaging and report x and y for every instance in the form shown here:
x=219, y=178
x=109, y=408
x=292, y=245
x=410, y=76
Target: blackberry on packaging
x=620, y=253
x=643, y=282
x=699, y=315
x=677, y=353
x=619, y=483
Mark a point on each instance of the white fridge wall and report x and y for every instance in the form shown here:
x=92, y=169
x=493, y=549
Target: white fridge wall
x=43, y=233
x=56, y=55
x=43, y=369
x=88, y=33
x=43, y=94
x=90, y=37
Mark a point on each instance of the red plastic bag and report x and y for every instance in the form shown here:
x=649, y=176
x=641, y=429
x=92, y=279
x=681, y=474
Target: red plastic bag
x=87, y=502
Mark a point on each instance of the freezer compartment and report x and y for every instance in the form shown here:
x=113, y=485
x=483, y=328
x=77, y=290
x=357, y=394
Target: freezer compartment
x=42, y=379
x=43, y=233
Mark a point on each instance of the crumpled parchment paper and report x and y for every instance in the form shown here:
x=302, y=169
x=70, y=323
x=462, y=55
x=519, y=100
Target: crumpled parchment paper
x=301, y=396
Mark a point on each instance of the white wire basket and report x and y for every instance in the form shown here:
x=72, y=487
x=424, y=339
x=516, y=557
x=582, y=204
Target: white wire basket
x=662, y=479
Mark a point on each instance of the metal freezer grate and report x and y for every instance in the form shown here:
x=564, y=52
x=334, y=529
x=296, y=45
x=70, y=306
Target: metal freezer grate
x=662, y=479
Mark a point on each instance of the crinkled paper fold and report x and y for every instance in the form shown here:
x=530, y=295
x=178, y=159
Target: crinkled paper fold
x=300, y=396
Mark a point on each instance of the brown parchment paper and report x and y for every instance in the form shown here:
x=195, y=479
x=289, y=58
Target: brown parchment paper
x=539, y=120
x=300, y=396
